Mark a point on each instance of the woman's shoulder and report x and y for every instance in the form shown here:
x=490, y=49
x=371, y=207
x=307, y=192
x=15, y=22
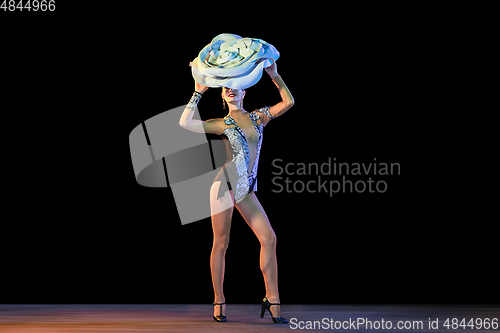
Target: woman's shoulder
x=264, y=110
x=261, y=110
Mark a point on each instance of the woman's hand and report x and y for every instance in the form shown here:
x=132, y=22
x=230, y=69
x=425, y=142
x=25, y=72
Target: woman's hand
x=199, y=88
x=272, y=70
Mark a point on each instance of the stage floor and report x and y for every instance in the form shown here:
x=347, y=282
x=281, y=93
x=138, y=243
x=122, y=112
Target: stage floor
x=242, y=318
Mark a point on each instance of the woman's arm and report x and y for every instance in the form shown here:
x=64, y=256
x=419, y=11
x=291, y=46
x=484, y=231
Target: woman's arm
x=215, y=126
x=286, y=97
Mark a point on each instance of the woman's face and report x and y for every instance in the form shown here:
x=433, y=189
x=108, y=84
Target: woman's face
x=232, y=95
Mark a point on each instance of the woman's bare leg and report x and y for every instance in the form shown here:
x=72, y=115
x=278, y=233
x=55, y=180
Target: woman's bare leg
x=253, y=213
x=222, y=211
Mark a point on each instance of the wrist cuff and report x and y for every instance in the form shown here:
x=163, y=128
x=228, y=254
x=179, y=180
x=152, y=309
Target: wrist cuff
x=194, y=100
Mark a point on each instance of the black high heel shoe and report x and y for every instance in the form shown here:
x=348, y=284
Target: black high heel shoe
x=267, y=306
x=220, y=318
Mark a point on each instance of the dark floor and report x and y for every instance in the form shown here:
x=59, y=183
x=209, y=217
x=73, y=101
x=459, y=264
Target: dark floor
x=241, y=318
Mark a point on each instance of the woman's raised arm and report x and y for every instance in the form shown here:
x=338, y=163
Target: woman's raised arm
x=286, y=97
x=215, y=126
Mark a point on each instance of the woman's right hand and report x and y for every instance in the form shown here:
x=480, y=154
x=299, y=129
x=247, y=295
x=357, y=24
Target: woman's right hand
x=199, y=88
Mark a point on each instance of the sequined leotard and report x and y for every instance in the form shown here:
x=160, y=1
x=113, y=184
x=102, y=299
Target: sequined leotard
x=240, y=175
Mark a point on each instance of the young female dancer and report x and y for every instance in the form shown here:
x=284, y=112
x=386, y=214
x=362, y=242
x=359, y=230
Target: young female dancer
x=243, y=131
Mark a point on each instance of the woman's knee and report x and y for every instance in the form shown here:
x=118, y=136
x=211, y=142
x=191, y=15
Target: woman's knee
x=221, y=243
x=269, y=240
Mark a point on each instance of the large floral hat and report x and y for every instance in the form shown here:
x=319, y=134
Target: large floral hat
x=232, y=61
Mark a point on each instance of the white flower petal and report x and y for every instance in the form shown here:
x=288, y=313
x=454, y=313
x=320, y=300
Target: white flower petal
x=226, y=37
x=232, y=70
x=232, y=61
x=245, y=81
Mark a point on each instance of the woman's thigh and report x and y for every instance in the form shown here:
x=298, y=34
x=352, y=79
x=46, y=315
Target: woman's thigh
x=253, y=213
x=222, y=211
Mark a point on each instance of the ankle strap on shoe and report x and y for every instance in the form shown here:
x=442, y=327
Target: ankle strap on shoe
x=267, y=300
x=219, y=303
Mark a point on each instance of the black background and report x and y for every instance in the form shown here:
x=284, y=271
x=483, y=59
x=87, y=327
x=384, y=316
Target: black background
x=81, y=230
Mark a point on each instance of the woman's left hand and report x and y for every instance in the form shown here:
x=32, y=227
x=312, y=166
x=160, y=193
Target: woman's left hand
x=272, y=70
